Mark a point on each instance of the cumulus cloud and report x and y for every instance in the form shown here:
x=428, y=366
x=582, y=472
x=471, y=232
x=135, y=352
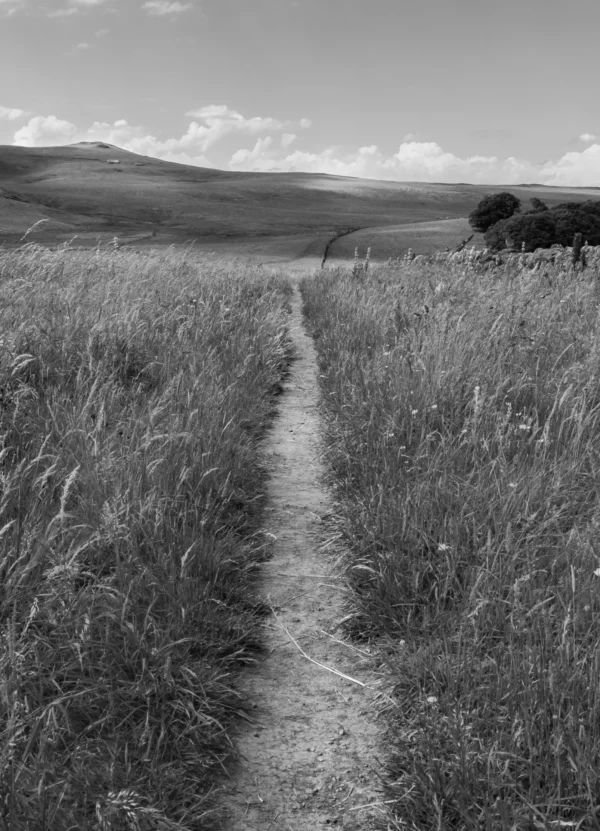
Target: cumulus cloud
x=579, y=169
x=248, y=157
x=587, y=137
x=427, y=162
x=215, y=121
x=161, y=8
x=47, y=130
x=273, y=151
x=11, y=113
x=210, y=124
x=305, y=123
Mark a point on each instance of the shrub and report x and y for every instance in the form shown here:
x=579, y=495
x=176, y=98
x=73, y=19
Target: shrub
x=537, y=205
x=492, y=209
x=536, y=230
x=571, y=222
x=543, y=228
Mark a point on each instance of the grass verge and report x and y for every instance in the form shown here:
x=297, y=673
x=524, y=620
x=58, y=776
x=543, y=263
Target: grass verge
x=462, y=410
x=134, y=390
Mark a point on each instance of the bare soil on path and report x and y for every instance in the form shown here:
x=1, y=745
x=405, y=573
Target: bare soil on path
x=310, y=757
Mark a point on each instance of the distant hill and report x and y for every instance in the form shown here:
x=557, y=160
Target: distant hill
x=96, y=191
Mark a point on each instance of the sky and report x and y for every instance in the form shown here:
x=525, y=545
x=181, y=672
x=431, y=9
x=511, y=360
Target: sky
x=477, y=91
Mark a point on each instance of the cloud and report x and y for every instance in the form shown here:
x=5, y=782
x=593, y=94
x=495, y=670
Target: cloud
x=274, y=150
x=161, y=8
x=216, y=121
x=428, y=162
x=64, y=12
x=101, y=33
x=83, y=46
x=11, y=113
x=414, y=161
x=75, y=7
x=587, y=137
x=574, y=169
x=305, y=123
x=10, y=7
x=43, y=131
x=248, y=157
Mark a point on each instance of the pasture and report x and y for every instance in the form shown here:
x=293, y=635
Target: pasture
x=147, y=202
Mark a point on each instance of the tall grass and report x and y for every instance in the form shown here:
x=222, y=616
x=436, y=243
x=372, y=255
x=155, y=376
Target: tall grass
x=134, y=390
x=462, y=407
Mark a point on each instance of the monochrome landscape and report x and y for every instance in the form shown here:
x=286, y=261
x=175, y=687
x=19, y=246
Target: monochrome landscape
x=299, y=416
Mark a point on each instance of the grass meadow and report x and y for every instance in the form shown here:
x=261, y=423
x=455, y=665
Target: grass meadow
x=134, y=390
x=462, y=419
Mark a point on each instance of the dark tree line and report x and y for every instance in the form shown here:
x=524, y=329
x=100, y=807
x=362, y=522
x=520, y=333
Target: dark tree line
x=505, y=225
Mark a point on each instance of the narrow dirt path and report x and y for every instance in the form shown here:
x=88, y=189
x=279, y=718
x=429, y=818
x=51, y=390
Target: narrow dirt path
x=310, y=759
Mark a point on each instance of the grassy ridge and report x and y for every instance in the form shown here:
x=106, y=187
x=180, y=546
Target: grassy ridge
x=134, y=390
x=462, y=413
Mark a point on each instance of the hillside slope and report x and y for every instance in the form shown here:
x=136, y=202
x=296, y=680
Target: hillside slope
x=80, y=191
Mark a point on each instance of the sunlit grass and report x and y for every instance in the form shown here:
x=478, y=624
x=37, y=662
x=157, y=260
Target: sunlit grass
x=462, y=408
x=134, y=390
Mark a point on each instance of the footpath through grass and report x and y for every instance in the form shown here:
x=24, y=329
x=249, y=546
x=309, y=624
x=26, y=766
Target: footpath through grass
x=462, y=407
x=134, y=390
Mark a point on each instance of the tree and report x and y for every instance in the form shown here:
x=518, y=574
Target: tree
x=492, y=209
x=571, y=222
x=536, y=230
x=537, y=205
x=541, y=229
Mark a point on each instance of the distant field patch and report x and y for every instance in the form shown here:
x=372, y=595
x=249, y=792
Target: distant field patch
x=395, y=240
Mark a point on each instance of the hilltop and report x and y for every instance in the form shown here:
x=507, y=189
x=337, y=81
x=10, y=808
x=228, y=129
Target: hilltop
x=96, y=191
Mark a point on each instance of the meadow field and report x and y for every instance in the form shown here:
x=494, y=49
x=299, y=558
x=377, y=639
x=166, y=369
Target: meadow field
x=134, y=392
x=71, y=191
x=461, y=404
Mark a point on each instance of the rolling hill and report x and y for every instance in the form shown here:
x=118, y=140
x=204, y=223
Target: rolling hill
x=96, y=191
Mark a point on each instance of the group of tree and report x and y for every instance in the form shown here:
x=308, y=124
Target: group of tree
x=505, y=225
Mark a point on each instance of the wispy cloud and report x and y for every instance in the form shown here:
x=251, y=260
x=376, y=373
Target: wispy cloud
x=83, y=46
x=12, y=113
x=162, y=8
x=75, y=7
x=10, y=7
x=587, y=137
x=68, y=12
